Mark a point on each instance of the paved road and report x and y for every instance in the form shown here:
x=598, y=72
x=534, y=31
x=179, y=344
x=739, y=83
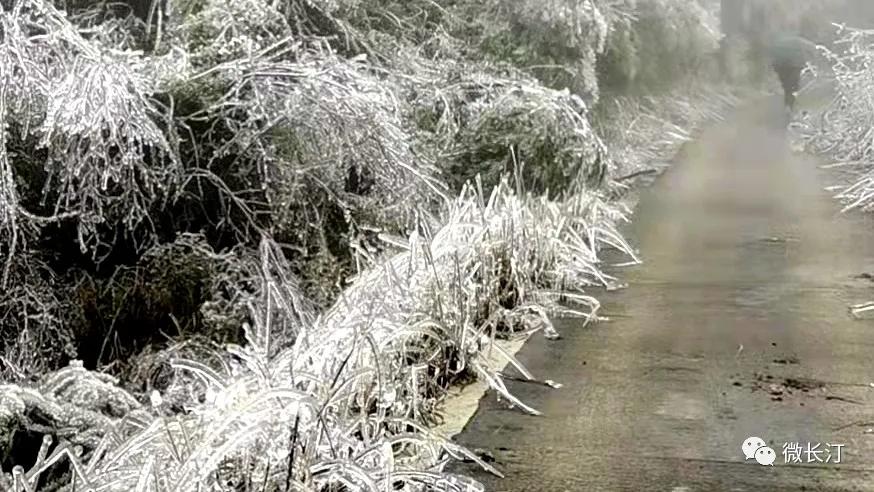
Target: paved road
x=743, y=248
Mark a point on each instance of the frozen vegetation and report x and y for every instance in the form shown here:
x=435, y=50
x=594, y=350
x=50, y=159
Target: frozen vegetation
x=249, y=244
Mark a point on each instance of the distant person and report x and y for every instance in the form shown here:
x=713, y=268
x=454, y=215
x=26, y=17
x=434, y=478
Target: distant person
x=789, y=55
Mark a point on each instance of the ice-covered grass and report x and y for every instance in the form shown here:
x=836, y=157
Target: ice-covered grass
x=842, y=128
x=349, y=402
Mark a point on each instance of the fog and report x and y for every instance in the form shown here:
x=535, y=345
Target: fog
x=813, y=19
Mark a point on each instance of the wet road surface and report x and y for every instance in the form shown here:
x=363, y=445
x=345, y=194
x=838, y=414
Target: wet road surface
x=735, y=326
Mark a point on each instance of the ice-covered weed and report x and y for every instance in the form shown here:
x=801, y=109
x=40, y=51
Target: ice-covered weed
x=350, y=402
x=499, y=122
x=37, y=320
x=266, y=419
x=500, y=259
x=87, y=112
x=842, y=129
x=654, y=43
x=645, y=133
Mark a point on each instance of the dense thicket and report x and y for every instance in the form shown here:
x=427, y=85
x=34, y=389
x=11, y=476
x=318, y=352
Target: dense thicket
x=243, y=118
x=302, y=219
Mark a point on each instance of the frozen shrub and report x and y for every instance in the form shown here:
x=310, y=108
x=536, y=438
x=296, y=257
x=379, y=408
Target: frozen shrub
x=336, y=160
x=652, y=43
x=352, y=397
x=73, y=405
x=496, y=266
x=86, y=111
x=498, y=122
x=158, y=299
x=557, y=40
x=217, y=31
x=264, y=420
x=38, y=320
x=645, y=133
x=545, y=133
x=842, y=128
